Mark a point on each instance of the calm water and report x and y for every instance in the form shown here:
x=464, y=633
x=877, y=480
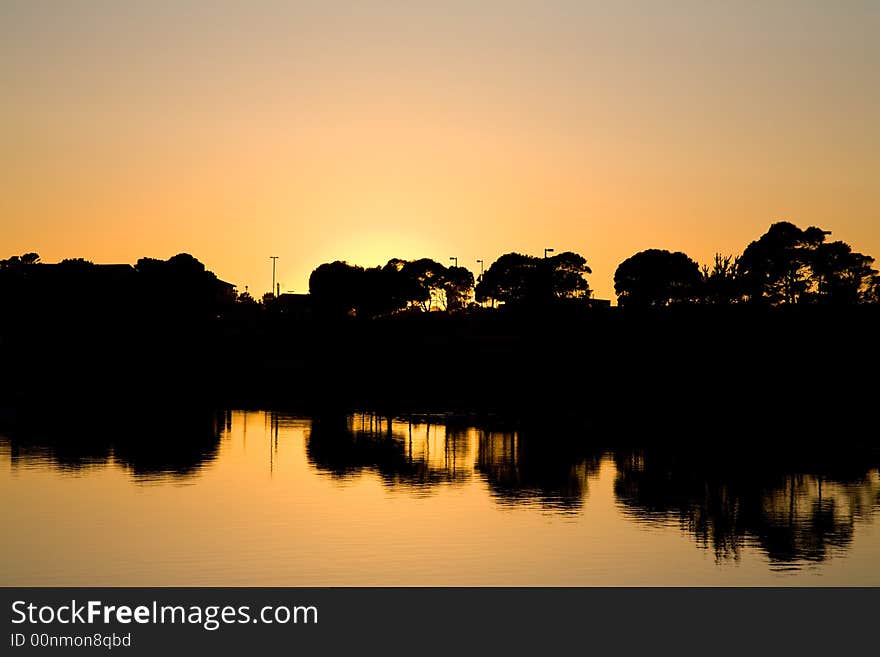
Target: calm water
x=257, y=498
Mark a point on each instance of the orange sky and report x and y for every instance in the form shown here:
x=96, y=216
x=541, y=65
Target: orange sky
x=327, y=130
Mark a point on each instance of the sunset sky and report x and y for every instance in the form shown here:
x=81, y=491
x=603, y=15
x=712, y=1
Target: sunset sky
x=315, y=131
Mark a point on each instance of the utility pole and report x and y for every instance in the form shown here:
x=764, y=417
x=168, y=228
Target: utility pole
x=273, y=258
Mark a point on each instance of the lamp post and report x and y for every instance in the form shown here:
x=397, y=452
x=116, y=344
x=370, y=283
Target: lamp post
x=455, y=260
x=480, y=279
x=546, y=251
x=273, y=258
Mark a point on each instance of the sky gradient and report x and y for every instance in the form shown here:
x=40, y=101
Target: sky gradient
x=317, y=131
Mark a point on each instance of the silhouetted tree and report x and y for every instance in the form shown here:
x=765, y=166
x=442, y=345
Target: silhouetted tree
x=339, y=288
x=246, y=299
x=425, y=278
x=400, y=286
x=181, y=285
x=336, y=288
x=78, y=262
x=506, y=280
x=567, y=271
x=457, y=285
x=841, y=275
x=24, y=260
x=185, y=264
x=656, y=278
x=776, y=267
x=788, y=265
x=722, y=283
x=873, y=293
x=382, y=291
x=520, y=279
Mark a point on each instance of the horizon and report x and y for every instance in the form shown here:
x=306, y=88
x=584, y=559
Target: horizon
x=330, y=132
x=486, y=265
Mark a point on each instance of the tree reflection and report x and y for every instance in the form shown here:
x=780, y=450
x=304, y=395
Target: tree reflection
x=795, y=509
x=795, y=503
x=519, y=466
x=149, y=444
x=402, y=452
x=522, y=466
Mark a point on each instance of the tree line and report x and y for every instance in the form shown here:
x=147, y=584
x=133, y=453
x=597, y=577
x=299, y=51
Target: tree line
x=424, y=284
x=178, y=288
x=787, y=265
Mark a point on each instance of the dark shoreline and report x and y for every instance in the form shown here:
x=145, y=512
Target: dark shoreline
x=721, y=371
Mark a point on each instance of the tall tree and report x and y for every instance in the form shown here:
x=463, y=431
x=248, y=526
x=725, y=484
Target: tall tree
x=788, y=265
x=722, y=283
x=506, y=280
x=841, y=275
x=568, y=270
x=776, y=267
x=656, y=277
x=520, y=279
x=425, y=279
x=336, y=288
x=873, y=293
x=458, y=284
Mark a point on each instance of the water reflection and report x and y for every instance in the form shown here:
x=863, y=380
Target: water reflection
x=796, y=507
x=403, y=453
x=152, y=446
x=529, y=466
x=420, y=453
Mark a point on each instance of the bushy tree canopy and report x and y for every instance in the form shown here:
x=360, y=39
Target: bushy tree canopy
x=521, y=279
x=788, y=265
x=339, y=289
x=656, y=278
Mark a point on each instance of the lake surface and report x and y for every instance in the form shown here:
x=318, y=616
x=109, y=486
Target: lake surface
x=264, y=498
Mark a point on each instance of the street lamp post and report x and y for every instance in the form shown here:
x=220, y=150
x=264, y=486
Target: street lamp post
x=546, y=251
x=455, y=260
x=273, y=258
x=480, y=279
